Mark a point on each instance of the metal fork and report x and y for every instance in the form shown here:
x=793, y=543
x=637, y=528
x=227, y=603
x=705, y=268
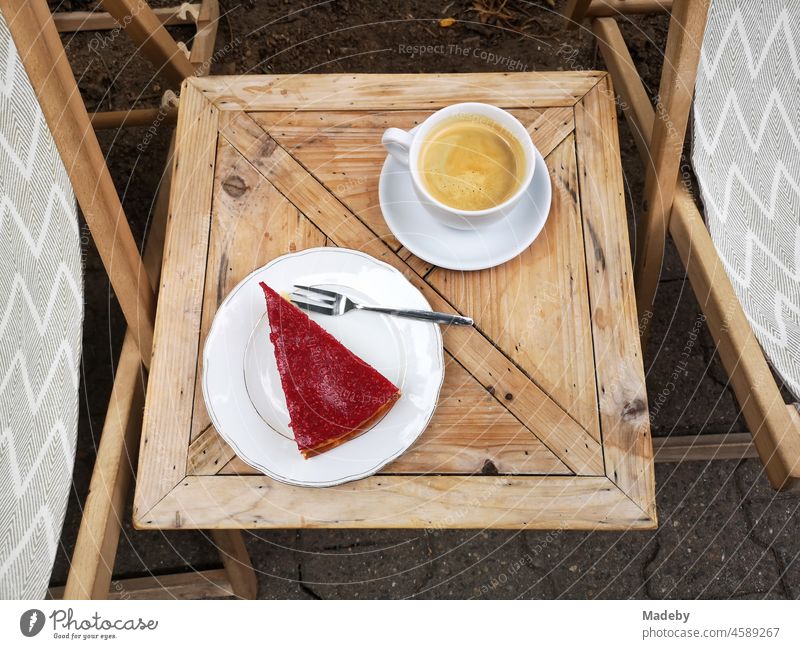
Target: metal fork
x=321, y=300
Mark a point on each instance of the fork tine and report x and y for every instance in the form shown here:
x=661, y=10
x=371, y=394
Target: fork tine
x=321, y=299
x=316, y=308
x=314, y=289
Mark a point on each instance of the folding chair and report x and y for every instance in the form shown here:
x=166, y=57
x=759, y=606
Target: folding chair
x=750, y=316
x=49, y=125
x=174, y=60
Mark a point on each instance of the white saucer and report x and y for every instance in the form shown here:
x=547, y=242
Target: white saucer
x=484, y=247
x=242, y=388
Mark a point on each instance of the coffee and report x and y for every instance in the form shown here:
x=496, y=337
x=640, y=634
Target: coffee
x=470, y=162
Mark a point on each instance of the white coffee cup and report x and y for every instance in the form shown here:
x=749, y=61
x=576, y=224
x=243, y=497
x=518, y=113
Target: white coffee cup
x=405, y=147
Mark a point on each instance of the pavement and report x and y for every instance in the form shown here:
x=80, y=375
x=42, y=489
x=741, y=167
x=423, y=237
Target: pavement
x=723, y=533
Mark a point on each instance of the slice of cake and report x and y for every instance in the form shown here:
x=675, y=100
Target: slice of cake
x=332, y=395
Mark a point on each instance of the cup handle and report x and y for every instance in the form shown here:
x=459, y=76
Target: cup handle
x=397, y=143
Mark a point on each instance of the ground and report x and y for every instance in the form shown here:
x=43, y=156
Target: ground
x=723, y=532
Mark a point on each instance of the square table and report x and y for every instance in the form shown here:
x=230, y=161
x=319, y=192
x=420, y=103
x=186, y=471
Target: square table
x=542, y=421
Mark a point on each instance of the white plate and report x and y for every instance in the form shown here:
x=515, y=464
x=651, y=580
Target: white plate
x=242, y=388
x=484, y=247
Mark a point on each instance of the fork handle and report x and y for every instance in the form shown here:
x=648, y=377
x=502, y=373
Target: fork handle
x=429, y=316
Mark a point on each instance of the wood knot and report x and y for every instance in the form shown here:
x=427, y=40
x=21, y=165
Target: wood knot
x=633, y=409
x=599, y=255
x=234, y=186
x=489, y=468
x=268, y=146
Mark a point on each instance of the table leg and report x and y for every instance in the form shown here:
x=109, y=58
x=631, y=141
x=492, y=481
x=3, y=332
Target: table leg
x=232, y=550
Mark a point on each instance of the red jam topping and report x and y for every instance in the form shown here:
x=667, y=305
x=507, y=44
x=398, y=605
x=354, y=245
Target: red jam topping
x=332, y=395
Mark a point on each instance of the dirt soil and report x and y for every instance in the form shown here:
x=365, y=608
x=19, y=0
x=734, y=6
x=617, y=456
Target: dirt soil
x=723, y=532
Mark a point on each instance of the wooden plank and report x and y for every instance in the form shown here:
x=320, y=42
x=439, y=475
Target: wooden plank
x=621, y=388
x=775, y=429
x=613, y=8
x=208, y=453
x=533, y=407
x=343, y=150
x=136, y=117
x=198, y=584
x=98, y=535
x=168, y=406
x=538, y=313
x=78, y=21
x=47, y=66
x=575, y=12
x=151, y=38
x=634, y=100
x=382, y=502
x=666, y=147
x=338, y=133
x=420, y=266
x=205, y=37
x=251, y=224
x=470, y=433
x=396, y=91
x=550, y=129
x=233, y=551
x=96, y=546
x=776, y=432
x=704, y=448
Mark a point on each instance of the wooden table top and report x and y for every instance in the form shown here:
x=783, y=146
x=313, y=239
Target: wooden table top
x=542, y=421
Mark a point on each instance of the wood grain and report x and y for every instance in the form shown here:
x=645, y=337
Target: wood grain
x=78, y=21
x=251, y=224
x=618, y=358
x=198, y=584
x=432, y=503
x=233, y=552
x=505, y=405
x=205, y=37
x=343, y=150
x=538, y=313
x=96, y=546
x=170, y=397
x=550, y=423
x=320, y=92
x=252, y=219
x=704, y=448
x=685, y=36
x=470, y=433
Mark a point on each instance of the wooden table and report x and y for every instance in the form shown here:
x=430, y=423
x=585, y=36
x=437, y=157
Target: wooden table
x=542, y=421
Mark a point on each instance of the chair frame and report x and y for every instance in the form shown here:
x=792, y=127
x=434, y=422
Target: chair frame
x=135, y=281
x=174, y=59
x=669, y=208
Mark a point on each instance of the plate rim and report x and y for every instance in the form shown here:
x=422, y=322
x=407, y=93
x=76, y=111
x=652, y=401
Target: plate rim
x=350, y=478
x=382, y=181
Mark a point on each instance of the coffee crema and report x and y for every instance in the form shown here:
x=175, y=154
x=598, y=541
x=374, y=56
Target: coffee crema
x=471, y=163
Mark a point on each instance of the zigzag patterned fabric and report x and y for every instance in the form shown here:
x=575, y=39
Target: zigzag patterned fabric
x=41, y=314
x=746, y=154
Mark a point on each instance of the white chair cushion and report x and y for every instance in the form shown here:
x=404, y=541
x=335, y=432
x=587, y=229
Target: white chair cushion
x=41, y=313
x=746, y=154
